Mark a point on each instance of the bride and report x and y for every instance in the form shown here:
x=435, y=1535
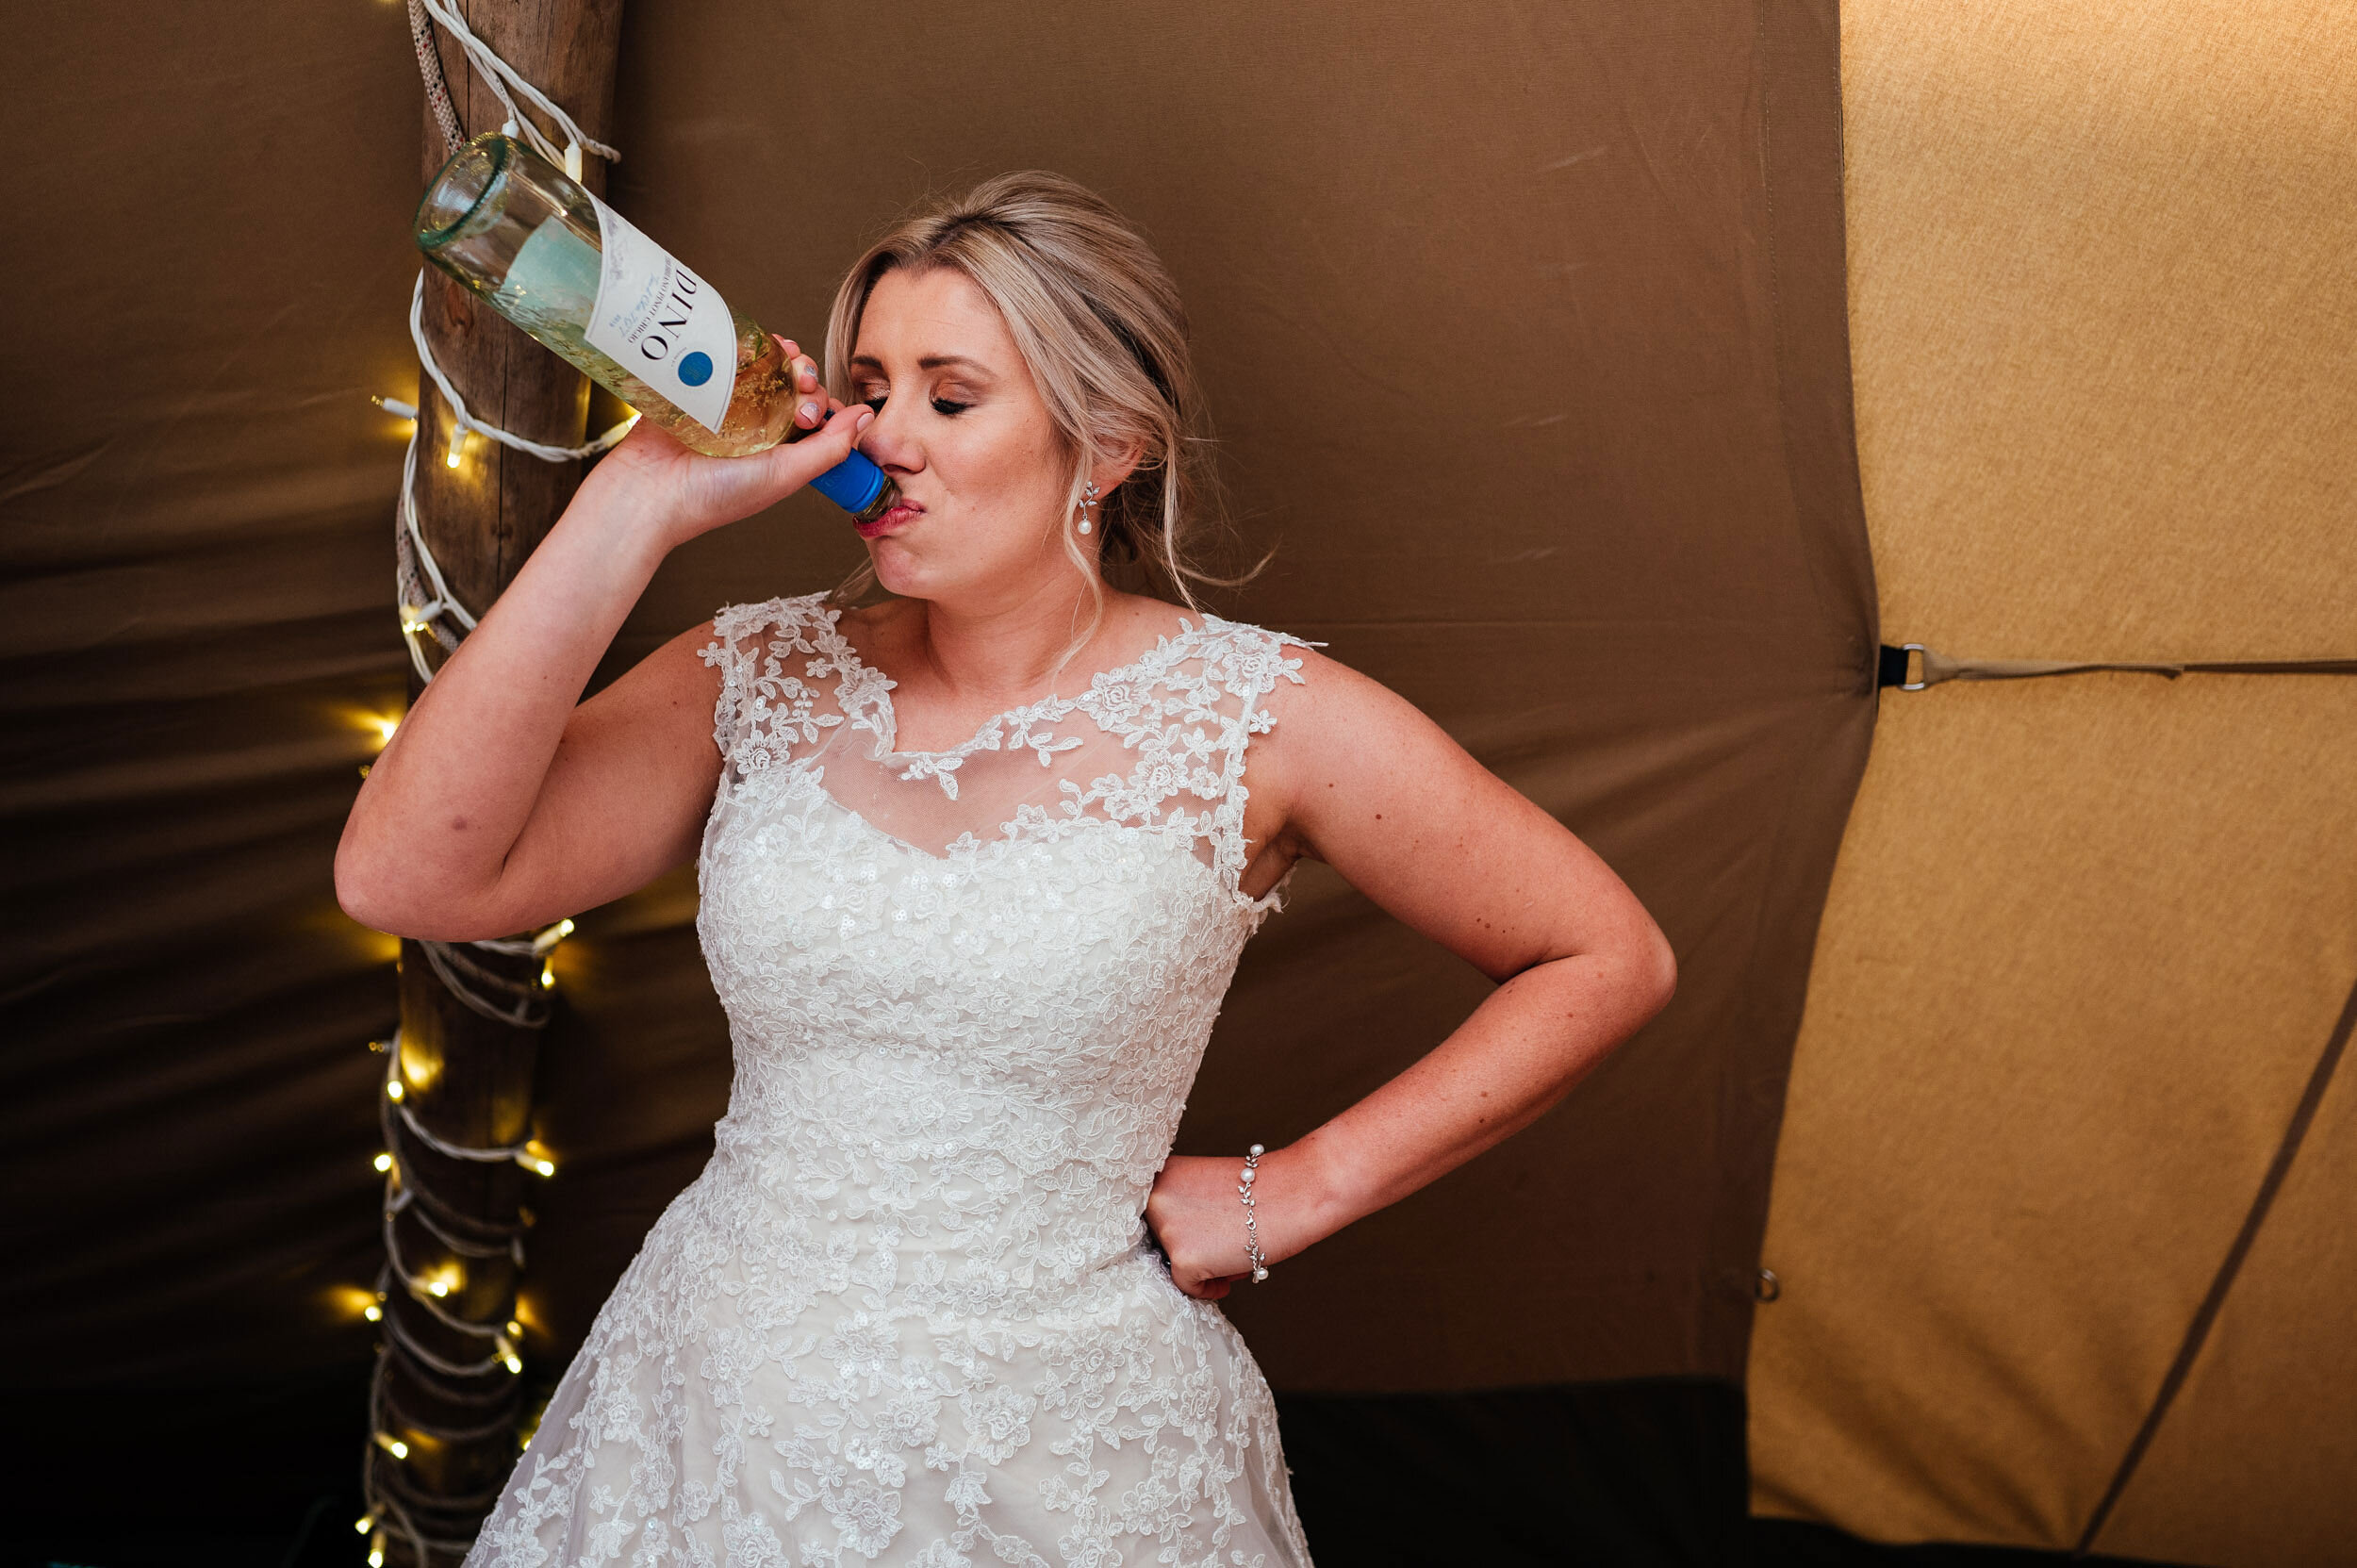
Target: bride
x=977, y=862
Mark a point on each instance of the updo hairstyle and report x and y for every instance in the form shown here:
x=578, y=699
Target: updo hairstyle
x=1097, y=319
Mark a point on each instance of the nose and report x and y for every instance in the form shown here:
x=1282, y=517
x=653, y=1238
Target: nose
x=889, y=442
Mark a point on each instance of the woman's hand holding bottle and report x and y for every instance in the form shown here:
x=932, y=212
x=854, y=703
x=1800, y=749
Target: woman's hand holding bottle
x=680, y=493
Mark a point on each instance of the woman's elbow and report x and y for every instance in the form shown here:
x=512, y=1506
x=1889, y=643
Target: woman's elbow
x=365, y=891
x=375, y=888
x=386, y=892
x=1652, y=968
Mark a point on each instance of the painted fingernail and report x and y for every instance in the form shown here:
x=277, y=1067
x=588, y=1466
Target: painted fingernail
x=808, y=411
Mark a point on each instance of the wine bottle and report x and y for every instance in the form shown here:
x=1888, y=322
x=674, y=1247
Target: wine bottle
x=576, y=275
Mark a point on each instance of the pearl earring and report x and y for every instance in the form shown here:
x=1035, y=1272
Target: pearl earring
x=1088, y=524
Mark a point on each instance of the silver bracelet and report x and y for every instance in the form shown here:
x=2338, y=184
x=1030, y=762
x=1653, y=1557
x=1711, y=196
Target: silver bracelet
x=1251, y=1230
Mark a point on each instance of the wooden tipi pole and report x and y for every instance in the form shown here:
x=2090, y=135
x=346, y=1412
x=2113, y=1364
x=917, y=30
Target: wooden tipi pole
x=447, y=1404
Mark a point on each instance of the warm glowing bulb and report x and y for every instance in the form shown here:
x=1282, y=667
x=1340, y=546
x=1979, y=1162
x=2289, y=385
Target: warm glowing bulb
x=392, y=1090
x=383, y=1161
x=547, y=978
x=366, y=1523
x=374, y=1313
x=376, y=1556
x=514, y=1362
x=565, y=928
x=385, y=727
x=452, y=458
x=419, y=1069
x=544, y=1168
x=515, y=1327
x=439, y=1287
x=392, y=1445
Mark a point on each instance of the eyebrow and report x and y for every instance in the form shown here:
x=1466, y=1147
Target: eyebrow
x=930, y=362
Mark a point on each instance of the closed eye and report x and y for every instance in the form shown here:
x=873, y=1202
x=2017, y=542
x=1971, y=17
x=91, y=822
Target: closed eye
x=944, y=406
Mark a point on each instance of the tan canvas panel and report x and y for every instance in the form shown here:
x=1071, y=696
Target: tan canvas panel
x=2254, y=1461
x=2069, y=987
x=2103, y=330
x=2086, y=935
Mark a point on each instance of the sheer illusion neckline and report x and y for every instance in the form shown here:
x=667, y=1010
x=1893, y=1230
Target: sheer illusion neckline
x=865, y=692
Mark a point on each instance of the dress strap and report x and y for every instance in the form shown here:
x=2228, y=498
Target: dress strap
x=764, y=705
x=1248, y=662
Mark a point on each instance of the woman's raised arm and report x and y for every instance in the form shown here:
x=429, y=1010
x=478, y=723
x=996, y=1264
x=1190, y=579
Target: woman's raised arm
x=1374, y=787
x=503, y=801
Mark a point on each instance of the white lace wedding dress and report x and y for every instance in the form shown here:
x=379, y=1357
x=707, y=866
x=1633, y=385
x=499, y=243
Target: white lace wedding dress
x=910, y=1313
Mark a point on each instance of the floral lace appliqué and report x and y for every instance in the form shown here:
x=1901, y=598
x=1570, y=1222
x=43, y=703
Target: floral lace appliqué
x=908, y=1314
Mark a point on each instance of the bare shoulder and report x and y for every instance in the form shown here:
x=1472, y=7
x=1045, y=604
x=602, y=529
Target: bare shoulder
x=1320, y=708
x=1340, y=747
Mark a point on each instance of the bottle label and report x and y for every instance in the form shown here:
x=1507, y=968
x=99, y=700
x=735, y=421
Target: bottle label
x=662, y=323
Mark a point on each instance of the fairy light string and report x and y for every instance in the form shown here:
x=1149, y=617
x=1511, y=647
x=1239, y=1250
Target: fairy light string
x=429, y=610
x=406, y=1192
x=424, y=596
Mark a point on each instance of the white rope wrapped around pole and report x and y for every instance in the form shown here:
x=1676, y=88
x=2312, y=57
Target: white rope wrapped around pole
x=495, y=71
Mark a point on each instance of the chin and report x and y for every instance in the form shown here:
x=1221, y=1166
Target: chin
x=895, y=571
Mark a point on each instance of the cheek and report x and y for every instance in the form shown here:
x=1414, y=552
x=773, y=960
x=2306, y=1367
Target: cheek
x=1010, y=476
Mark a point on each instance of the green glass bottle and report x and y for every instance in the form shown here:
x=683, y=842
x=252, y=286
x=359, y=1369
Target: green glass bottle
x=579, y=277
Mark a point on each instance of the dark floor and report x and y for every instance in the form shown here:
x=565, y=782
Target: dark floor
x=1647, y=1474
x=1602, y=1476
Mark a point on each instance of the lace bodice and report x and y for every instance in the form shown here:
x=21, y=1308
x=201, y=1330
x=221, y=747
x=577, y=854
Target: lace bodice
x=908, y=1312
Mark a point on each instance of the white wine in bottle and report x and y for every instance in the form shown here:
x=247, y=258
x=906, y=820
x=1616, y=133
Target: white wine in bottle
x=576, y=275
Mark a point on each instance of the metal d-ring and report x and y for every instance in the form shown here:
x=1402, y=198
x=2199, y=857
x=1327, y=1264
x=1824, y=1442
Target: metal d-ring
x=1908, y=686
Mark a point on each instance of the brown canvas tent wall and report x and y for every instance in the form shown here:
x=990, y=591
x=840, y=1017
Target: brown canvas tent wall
x=1626, y=568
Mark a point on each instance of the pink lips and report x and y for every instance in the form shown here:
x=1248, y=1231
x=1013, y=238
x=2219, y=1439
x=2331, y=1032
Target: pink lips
x=905, y=512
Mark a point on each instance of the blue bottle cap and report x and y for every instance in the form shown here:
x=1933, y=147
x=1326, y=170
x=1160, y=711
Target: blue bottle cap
x=852, y=483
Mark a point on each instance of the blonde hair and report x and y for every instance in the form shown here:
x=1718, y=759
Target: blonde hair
x=1099, y=322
